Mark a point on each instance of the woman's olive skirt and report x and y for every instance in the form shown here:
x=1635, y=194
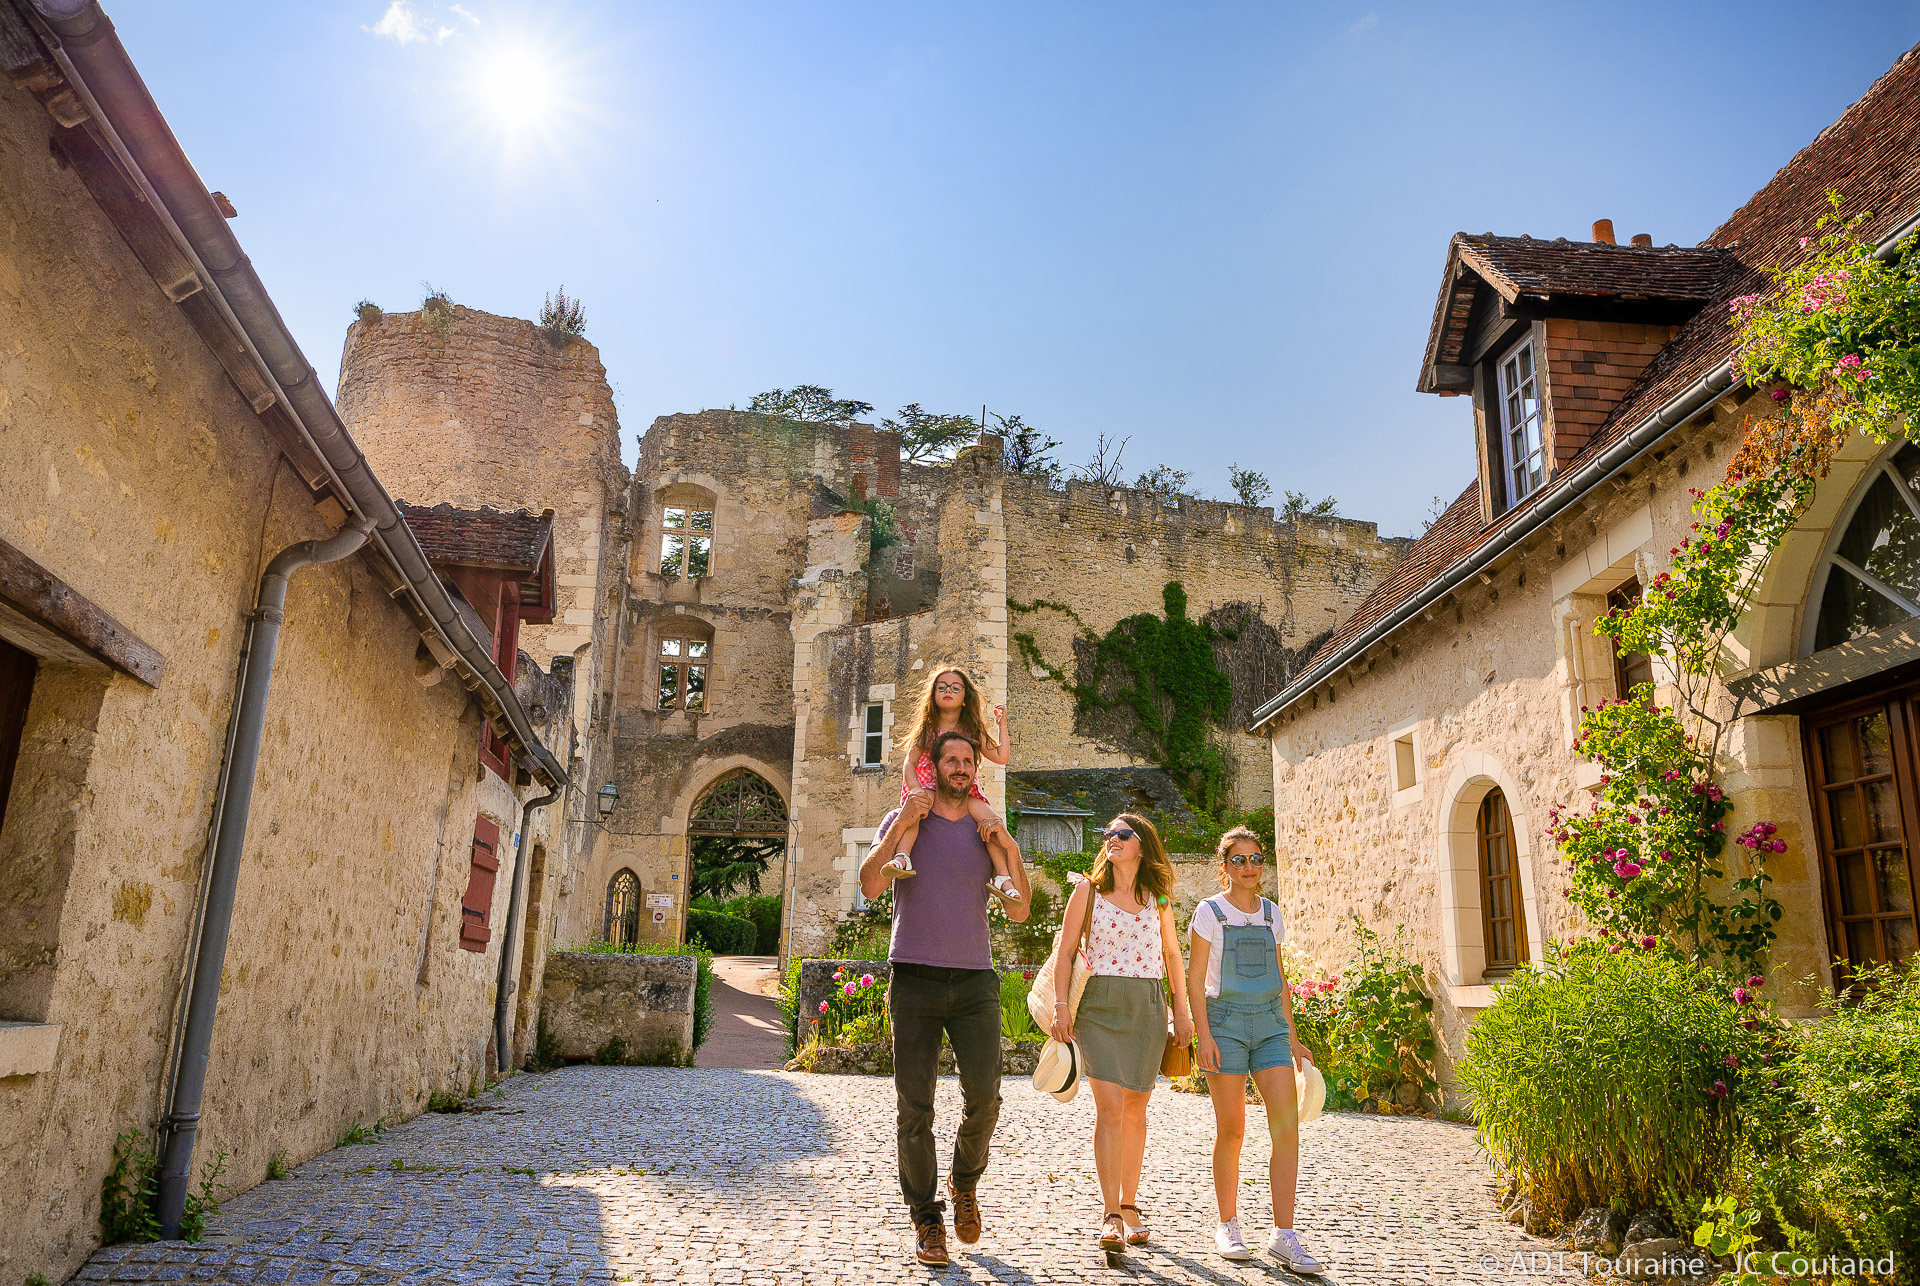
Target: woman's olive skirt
x=1121, y=1028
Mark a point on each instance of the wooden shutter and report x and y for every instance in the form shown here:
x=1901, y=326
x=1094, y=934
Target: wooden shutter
x=1503, y=917
x=476, y=906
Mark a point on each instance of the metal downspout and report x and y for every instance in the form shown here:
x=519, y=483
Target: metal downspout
x=210, y=951
x=507, y=984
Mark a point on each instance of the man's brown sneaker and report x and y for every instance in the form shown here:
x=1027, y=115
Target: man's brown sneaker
x=930, y=1244
x=966, y=1214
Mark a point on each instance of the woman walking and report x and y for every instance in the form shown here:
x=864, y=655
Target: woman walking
x=1245, y=1028
x=1124, y=914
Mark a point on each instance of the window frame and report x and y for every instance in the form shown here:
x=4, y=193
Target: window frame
x=1831, y=558
x=1514, y=477
x=684, y=531
x=1490, y=967
x=873, y=735
x=1628, y=594
x=682, y=662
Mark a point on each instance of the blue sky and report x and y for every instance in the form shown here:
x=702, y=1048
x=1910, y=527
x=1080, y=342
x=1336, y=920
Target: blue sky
x=1214, y=229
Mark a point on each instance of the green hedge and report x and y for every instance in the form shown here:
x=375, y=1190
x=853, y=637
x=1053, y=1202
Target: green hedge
x=763, y=911
x=722, y=934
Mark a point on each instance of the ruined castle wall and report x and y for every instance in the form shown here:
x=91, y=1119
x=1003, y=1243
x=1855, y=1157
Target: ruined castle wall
x=136, y=474
x=1490, y=689
x=1105, y=555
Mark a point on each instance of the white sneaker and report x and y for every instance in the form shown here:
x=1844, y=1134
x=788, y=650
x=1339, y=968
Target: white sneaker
x=1228, y=1240
x=1286, y=1247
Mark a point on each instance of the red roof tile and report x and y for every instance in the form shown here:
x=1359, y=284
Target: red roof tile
x=481, y=537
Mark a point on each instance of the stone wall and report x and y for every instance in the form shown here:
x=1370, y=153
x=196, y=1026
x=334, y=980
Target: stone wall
x=645, y=1002
x=1084, y=558
x=1490, y=690
x=142, y=479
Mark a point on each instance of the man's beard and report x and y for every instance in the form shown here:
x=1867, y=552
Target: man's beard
x=950, y=794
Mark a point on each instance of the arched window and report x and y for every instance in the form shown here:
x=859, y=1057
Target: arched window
x=1502, y=919
x=1870, y=577
x=623, y=909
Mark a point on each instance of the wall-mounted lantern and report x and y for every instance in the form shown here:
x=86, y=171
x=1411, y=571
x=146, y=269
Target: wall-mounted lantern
x=609, y=796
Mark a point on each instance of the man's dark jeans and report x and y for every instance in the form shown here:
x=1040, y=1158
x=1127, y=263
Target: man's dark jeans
x=964, y=1004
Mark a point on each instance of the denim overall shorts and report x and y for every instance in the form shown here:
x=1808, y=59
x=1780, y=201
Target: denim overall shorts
x=1247, y=1020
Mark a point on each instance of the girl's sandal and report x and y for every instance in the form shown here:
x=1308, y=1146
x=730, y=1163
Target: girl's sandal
x=1002, y=887
x=1136, y=1233
x=900, y=867
x=1113, y=1232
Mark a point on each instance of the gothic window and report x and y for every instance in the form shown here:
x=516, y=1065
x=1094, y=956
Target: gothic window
x=742, y=804
x=623, y=909
x=684, y=659
x=686, y=541
x=1872, y=575
x=1502, y=917
x=1520, y=420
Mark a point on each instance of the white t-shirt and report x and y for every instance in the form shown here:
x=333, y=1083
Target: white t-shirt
x=1208, y=925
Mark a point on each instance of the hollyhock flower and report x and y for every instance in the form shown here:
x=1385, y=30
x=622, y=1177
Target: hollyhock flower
x=1741, y=996
x=1719, y=1089
x=866, y=980
x=849, y=989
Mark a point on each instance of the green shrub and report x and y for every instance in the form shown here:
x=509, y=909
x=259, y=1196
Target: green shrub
x=866, y=934
x=1839, y=1169
x=1613, y=1077
x=762, y=910
x=279, y=1165
x=1015, y=1022
x=724, y=935
x=790, y=1004
x=1369, y=1029
x=703, y=1011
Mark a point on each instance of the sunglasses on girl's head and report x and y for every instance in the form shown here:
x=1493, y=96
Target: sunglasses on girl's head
x=1247, y=859
x=1118, y=832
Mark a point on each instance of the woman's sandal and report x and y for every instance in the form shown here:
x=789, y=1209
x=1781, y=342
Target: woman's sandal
x=1113, y=1232
x=1002, y=887
x=1137, y=1233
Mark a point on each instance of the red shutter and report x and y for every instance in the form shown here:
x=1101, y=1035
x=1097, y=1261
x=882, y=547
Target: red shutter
x=476, y=906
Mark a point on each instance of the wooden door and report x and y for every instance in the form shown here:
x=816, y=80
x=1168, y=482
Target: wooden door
x=1862, y=760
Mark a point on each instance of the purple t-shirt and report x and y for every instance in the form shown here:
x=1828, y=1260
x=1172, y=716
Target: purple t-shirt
x=940, y=915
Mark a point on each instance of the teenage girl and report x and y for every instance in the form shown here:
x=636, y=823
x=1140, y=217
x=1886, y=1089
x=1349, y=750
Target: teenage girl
x=1245, y=1028
x=1123, y=911
x=953, y=703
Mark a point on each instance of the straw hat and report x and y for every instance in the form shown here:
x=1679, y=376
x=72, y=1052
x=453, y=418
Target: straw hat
x=1310, y=1090
x=1057, y=1071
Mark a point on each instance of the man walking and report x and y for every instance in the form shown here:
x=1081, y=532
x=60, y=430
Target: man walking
x=943, y=984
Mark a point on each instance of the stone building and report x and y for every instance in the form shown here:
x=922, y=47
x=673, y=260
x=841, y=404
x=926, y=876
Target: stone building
x=1418, y=752
x=790, y=584
x=166, y=442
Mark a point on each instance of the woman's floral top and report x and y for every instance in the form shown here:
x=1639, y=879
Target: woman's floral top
x=1125, y=946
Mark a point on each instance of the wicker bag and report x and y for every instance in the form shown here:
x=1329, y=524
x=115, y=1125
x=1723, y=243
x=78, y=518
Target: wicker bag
x=1043, y=994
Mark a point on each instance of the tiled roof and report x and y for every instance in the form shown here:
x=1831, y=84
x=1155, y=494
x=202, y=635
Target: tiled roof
x=1523, y=266
x=1871, y=155
x=481, y=537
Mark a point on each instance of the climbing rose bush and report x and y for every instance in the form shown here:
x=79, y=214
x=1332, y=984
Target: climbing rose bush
x=1647, y=855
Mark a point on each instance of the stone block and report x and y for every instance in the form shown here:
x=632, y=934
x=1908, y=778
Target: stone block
x=27, y=1049
x=646, y=1001
x=1599, y=1230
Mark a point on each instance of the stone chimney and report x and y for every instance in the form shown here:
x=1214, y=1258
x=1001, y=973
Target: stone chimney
x=1643, y=239
x=1603, y=231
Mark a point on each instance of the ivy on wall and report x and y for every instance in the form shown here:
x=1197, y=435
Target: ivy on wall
x=1159, y=676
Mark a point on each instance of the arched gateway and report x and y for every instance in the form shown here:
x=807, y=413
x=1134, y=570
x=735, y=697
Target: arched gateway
x=736, y=832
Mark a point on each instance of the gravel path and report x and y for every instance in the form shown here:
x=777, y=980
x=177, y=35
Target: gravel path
x=711, y=1177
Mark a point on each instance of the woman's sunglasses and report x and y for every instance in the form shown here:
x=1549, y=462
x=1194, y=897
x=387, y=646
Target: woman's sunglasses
x=1247, y=859
x=1119, y=832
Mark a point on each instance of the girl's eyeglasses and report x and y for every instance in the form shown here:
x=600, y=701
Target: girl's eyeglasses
x=1247, y=859
x=949, y=687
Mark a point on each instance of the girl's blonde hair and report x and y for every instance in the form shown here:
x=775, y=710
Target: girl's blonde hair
x=1225, y=847
x=973, y=716
x=1153, y=881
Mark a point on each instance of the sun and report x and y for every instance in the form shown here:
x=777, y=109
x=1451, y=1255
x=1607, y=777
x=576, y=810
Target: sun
x=516, y=88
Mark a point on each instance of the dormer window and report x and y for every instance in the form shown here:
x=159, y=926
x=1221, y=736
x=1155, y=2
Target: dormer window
x=1520, y=419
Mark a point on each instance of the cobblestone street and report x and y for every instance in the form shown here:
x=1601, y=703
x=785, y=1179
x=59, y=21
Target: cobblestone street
x=591, y=1174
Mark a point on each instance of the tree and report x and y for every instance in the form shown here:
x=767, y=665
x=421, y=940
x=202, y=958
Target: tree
x=1103, y=466
x=808, y=404
x=1298, y=506
x=1028, y=450
x=1166, y=482
x=563, y=318
x=1252, y=488
x=927, y=437
x=723, y=863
